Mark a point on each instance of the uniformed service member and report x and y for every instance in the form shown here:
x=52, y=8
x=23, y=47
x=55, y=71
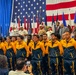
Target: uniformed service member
x=54, y=52
x=22, y=31
x=38, y=51
x=69, y=55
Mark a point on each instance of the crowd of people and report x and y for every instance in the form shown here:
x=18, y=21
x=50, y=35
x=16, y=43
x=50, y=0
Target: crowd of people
x=49, y=52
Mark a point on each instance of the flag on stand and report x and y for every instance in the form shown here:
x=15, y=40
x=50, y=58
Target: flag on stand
x=63, y=19
x=57, y=18
x=29, y=28
x=37, y=29
x=18, y=23
x=75, y=18
x=53, y=23
x=33, y=26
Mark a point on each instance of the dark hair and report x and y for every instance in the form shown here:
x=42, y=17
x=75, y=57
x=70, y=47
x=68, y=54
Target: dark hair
x=9, y=37
x=20, y=63
x=1, y=39
x=36, y=35
x=21, y=37
x=30, y=35
x=45, y=34
x=29, y=39
x=3, y=61
x=67, y=31
x=4, y=38
x=56, y=35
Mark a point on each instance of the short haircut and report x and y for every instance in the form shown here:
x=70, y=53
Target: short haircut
x=67, y=31
x=45, y=34
x=9, y=37
x=20, y=63
x=56, y=35
x=21, y=37
x=1, y=39
x=36, y=35
x=3, y=61
x=29, y=35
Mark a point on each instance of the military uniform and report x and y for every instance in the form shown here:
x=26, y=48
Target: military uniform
x=2, y=48
x=22, y=50
x=54, y=52
x=23, y=32
x=38, y=52
x=69, y=56
x=14, y=33
x=10, y=53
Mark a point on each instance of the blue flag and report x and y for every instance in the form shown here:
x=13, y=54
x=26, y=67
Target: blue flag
x=46, y=20
x=57, y=17
x=75, y=18
x=63, y=18
x=53, y=22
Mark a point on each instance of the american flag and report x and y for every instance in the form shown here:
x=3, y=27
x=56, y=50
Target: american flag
x=27, y=9
x=41, y=8
x=58, y=7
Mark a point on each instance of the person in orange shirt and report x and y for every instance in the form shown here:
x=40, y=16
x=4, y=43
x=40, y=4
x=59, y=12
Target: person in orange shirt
x=2, y=47
x=54, y=51
x=45, y=41
x=69, y=56
x=22, y=49
x=10, y=53
x=14, y=40
x=38, y=52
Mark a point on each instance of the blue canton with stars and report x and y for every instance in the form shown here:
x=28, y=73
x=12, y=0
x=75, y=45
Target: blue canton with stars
x=28, y=9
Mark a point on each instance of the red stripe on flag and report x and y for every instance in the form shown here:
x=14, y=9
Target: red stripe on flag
x=49, y=18
x=61, y=5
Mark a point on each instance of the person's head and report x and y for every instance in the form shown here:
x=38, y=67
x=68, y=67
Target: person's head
x=44, y=36
x=75, y=35
x=41, y=27
x=29, y=37
x=13, y=38
x=8, y=39
x=50, y=28
x=21, y=64
x=57, y=23
x=63, y=36
x=3, y=61
x=13, y=28
x=55, y=36
x=21, y=28
x=0, y=39
x=40, y=37
x=20, y=38
x=35, y=38
x=3, y=39
x=67, y=35
x=62, y=25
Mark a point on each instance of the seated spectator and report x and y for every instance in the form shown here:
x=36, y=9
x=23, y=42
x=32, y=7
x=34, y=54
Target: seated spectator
x=3, y=65
x=21, y=68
